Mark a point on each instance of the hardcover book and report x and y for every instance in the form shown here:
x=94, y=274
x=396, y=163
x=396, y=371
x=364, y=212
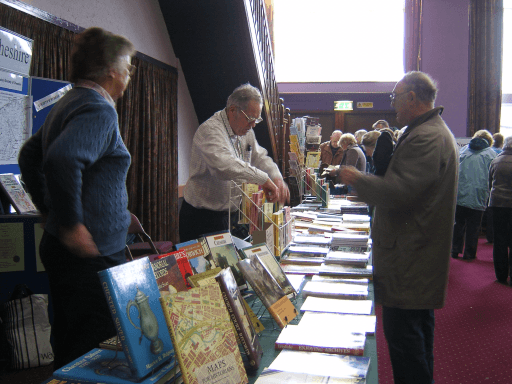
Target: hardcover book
x=167, y=274
x=132, y=293
x=271, y=376
x=224, y=255
x=309, y=251
x=17, y=196
x=302, y=260
x=204, y=278
x=268, y=290
x=335, y=291
x=320, y=304
x=322, y=364
x=197, y=255
x=203, y=336
x=319, y=338
x=239, y=317
x=108, y=366
x=268, y=259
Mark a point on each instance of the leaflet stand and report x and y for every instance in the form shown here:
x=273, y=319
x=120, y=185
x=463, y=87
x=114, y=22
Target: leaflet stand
x=314, y=186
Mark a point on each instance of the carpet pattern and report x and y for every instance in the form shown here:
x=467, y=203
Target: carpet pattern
x=473, y=331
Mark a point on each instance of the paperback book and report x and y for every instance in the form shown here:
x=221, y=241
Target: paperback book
x=302, y=260
x=321, y=339
x=268, y=290
x=225, y=255
x=167, y=274
x=310, y=251
x=295, y=269
x=341, y=270
x=239, y=317
x=335, y=291
x=348, y=258
x=322, y=364
x=132, y=294
x=268, y=259
x=109, y=366
x=321, y=304
x=203, y=336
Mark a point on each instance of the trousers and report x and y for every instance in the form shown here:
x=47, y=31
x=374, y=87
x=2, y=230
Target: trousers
x=502, y=250
x=466, y=230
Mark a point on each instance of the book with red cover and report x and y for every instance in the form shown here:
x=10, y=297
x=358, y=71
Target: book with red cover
x=167, y=274
x=183, y=264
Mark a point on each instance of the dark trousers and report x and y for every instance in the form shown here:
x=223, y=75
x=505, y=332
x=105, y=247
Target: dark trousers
x=195, y=222
x=489, y=227
x=502, y=250
x=410, y=337
x=81, y=318
x=466, y=231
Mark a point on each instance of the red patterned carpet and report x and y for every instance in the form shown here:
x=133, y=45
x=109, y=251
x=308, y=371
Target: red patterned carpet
x=473, y=336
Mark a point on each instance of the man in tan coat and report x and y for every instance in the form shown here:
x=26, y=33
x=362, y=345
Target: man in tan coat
x=413, y=227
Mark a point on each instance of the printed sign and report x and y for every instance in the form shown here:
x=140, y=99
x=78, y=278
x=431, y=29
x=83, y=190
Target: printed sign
x=15, y=52
x=364, y=104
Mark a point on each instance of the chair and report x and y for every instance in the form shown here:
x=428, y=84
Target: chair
x=146, y=246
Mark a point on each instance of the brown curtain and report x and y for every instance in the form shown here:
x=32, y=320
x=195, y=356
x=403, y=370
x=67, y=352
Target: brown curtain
x=412, y=43
x=485, y=56
x=147, y=120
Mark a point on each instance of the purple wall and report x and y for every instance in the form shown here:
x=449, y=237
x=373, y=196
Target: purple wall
x=445, y=56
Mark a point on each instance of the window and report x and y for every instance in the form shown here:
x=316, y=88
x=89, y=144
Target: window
x=506, y=81
x=338, y=40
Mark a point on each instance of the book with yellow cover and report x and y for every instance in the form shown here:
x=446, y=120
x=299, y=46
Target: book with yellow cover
x=201, y=329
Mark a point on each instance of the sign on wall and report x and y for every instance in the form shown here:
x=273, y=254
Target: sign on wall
x=343, y=105
x=15, y=52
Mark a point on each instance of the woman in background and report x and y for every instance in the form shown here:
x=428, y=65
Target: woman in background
x=75, y=168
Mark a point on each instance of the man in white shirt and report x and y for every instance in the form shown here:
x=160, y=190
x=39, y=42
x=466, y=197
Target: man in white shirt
x=224, y=148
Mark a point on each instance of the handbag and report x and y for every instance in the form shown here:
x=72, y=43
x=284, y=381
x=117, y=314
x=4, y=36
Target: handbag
x=27, y=328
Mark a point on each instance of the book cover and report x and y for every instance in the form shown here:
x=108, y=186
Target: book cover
x=132, y=293
x=296, y=269
x=108, y=366
x=167, y=274
x=239, y=317
x=184, y=265
x=353, y=323
x=335, y=291
x=268, y=290
x=312, y=240
x=321, y=304
x=271, y=376
x=268, y=259
x=348, y=258
x=256, y=323
x=311, y=251
x=17, y=196
x=203, y=336
x=301, y=260
x=318, y=338
x=197, y=255
x=204, y=278
x=224, y=255
x=341, y=270
x=322, y=364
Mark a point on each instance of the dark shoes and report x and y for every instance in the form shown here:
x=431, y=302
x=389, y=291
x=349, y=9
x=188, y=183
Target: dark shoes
x=467, y=258
x=502, y=281
x=455, y=255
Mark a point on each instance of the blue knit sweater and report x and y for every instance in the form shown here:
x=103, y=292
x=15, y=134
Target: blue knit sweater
x=75, y=168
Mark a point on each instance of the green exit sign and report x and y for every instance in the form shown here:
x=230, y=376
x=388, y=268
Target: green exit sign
x=343, y=105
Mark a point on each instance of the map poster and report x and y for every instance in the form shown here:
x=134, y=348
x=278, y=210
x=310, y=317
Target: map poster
x=16, y=123
x=12, y=247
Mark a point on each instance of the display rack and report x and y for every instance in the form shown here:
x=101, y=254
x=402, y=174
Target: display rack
x=236, y=194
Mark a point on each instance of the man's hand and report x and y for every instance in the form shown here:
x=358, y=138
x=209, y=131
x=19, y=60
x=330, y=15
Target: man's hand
x=271, y=191
x=284, y=192
x=79, y=241
x=349, y=175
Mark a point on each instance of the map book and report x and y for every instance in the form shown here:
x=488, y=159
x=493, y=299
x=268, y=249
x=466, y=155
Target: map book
x=204, y=278
x=349, y=271
x=268, y=290
x=108, y=366
x=268, y=259
x=319, y=338
x=167, y=274
x=132, y=294
x=225, y=255
x=239, y=317
x=271, y=376
x=321, y=304
x=353, y=323
x=197, y=255
x=17, y=196
x=203, y=336
x=335, y=291
x=323, y=364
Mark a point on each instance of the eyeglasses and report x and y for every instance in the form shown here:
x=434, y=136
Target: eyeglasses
x=251, y=120
x=394, y=95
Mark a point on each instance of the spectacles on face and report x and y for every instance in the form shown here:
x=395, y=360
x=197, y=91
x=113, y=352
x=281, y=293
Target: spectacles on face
x=251, y=120
x=393, y=95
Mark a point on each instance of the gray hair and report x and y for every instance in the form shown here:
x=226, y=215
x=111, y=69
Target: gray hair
x=422, y=84
x=384, y=123
x=359, y=134
x=370, y=138
x=242, y=95
x=508, y=142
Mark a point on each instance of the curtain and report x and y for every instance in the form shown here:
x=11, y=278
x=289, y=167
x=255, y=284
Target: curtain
x=412, y=35
x=147, y=120
x=485, y=57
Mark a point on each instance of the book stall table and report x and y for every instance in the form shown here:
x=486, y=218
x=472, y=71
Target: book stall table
x=269, y=336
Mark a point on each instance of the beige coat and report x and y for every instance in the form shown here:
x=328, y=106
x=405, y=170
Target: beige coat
x=414, y=216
